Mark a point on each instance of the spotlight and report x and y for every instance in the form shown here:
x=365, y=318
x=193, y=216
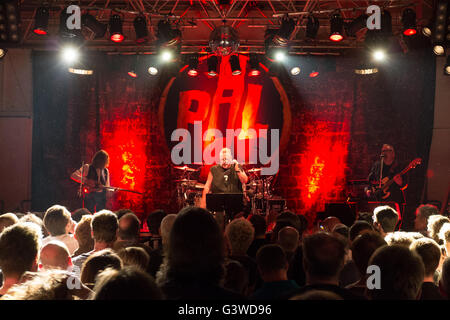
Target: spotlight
x=336, y=27
x=98, y=28
x=235, y=65
x=313, y=74
x=426, y=31
x=312, y=27
x=254, y=65
x=409, y=22
x=167, y=36
x=447, y=67
x=280, y=56
x=213, y=63
x=70, y=55
x=295, y=71
x=41, y=21
x=379, y=55
x=153, y=70
x=440, y=27
x=115, y=28
x=140, y=27
x=166, y=55
x=81, y=71
x=281, y=38
x=193, y=65
x=356, y=25
x=133, y=72
x=3, y=52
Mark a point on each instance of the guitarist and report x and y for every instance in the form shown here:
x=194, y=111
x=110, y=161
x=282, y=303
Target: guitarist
x=94, y=177
x=391, y=169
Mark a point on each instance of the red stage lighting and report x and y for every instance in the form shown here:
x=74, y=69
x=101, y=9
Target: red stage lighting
x=254, y=73
x=313, y=74
x=336, y=37
x=132, y=74
x=117, y=37
x=40, y=32
x=193, y=73
x=410, y=32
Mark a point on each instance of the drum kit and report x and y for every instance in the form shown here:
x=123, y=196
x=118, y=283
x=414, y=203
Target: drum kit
x=257, y=191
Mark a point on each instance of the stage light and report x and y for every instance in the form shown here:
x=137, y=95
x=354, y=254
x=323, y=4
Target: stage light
x=254, y=65
x=81, y=71
x=167, y=36
x=426, y=31
x=281, y=37
x=379, y=55
x=70, y=54
x=295, y=71
x=153, y=71
x=280, y=56
x=140, y=27
x=166, y=55
x=440, y=28
x=356, y=25
x=213, y=63
x=312, y=27
x=336, y=27
x=447, y=66
x=91, y=23
x=409, y=22
x=133, y=72
x=115, y=28
x=193, y=65
x=41, y=21
x=3, y=52
x=235, y=65
x=438, y=50
x=313, y=74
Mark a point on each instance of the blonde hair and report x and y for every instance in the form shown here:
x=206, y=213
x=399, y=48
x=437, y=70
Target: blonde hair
x=240, y=234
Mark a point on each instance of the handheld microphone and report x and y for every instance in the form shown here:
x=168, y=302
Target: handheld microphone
x=382, y=155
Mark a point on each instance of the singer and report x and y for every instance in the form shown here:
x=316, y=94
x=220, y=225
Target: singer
x=226, y=177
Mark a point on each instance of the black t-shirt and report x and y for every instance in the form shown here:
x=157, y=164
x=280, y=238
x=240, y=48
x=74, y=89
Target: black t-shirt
x=430, y=292
x=389, y=171
x=225, y=180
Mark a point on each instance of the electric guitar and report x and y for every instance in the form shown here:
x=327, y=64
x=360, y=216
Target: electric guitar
x=91, y=186
x=382, y=191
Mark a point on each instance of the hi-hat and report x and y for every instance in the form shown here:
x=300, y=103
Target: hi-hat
x=186, y=180
x=199, y=186
x=186, y=168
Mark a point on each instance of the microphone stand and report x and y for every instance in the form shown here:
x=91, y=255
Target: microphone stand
x=81, y=185
x=381, y=176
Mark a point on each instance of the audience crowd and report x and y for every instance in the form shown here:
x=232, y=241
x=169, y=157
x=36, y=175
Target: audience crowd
x=59, y=255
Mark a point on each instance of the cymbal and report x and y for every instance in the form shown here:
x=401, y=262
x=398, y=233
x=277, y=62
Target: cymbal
x=254, y=170
x=186, y=168
x=186, y=180
x=199, y=186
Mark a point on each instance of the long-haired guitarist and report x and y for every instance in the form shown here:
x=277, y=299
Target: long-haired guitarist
x=94, y=177
x=387, y=183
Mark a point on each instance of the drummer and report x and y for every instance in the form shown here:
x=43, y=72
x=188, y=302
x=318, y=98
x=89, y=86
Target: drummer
x=226, y=177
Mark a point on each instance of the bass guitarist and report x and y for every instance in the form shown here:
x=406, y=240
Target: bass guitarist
x=384, y=170
x=94, y=177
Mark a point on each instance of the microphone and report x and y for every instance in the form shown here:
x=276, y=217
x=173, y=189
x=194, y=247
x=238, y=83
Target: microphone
x=382, y=155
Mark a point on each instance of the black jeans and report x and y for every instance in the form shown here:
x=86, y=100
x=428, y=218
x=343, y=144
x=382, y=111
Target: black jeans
x=95, y=201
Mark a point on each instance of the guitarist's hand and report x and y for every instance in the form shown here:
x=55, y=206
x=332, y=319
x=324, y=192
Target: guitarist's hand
x=398, y=180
